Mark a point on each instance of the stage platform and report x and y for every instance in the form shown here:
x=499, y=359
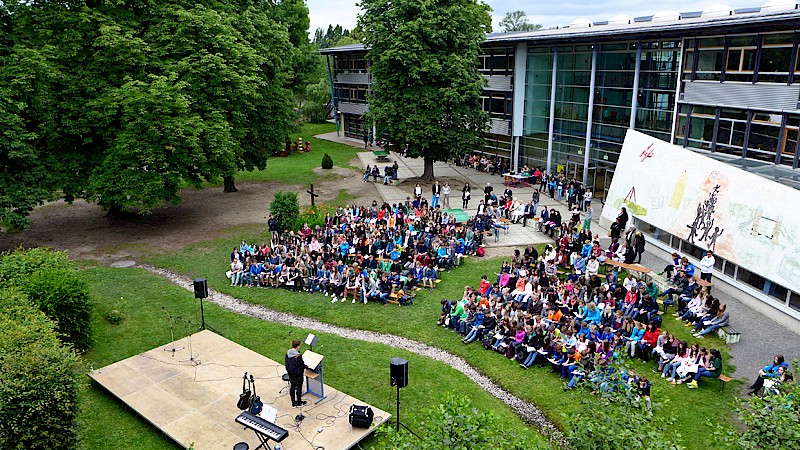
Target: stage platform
x=196, y=404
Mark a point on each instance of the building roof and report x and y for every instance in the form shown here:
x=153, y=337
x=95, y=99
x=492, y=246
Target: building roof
x=774, y=11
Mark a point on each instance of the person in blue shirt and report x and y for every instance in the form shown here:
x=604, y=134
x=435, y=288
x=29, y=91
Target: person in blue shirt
x=255, y=275
x=429, y=277
x=770, y=371
x=635, y=337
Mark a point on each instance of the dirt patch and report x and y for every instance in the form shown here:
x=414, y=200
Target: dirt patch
x=83, y=230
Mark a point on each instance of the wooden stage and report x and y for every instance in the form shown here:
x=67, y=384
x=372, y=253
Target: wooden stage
x=196, y=404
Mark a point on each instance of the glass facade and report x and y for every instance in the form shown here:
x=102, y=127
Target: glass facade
x=536, y=118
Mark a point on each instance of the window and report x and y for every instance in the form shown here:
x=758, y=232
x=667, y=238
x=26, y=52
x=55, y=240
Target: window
x=754, y=280
x=709, y=64
x=777, y=291
x=776, y=55
x=794, y=301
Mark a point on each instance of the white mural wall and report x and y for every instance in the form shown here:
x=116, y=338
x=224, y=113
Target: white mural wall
x=744, y=218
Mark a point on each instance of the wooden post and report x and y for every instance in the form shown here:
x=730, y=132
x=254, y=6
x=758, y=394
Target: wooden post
x=311, y=192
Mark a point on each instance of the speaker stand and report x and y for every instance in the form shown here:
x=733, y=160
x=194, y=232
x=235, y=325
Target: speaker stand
x=397, y=421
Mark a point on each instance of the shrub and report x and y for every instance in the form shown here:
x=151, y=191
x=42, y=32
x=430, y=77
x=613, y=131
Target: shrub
x=40, y=380
x=116, y=313
x=456, y=424
x=49, y=280
x=618, y=418
x=772, y=421
x=286, y=209
x=313, y=216
x=327, y=162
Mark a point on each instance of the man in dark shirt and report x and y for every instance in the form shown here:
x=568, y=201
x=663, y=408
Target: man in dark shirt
x=295, y=367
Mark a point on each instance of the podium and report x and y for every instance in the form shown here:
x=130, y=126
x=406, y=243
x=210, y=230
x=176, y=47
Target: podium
x=315, y=382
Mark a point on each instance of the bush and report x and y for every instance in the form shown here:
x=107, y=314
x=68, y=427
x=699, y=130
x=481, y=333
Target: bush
x=286, y=209
x=313, y=216
x=772, y=421
x=327, y=162
x=40, y=380
x=456, y=424
x=619, y=419
x=49, y=280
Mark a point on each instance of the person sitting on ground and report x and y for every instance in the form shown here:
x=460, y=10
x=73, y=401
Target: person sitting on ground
x=772, y=385
x=768, y=372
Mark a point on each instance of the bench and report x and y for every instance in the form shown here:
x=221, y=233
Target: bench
x=723, y=379
x=728, y=334
x=382, y=155
x=702, y=282
x=638, y=269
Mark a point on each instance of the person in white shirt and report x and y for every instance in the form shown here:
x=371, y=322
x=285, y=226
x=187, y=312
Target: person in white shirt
x=706, y=266
x=630, y=283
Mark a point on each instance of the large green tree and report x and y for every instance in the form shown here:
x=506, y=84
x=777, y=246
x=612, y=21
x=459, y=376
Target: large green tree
x=517, y=21
x=123, y=102
x=426, y=87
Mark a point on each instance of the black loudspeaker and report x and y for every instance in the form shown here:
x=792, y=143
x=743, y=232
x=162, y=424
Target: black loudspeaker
x=361, y=416
x=200, y=288
x=398, y=372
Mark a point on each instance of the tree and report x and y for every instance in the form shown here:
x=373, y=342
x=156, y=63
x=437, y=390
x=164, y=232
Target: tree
x=317, y=96
x=517, y=21
x=124, y=102
x=426, y=87
x=286, y=209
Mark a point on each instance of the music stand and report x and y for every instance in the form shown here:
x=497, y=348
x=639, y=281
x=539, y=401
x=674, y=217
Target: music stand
x=315, y=383
x=172, y=333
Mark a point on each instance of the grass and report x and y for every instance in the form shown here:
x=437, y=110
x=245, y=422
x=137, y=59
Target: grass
x=417, y=322
x=298, y=167
x=358, y=368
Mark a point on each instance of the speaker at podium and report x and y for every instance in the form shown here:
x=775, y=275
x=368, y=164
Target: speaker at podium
x=315, y=382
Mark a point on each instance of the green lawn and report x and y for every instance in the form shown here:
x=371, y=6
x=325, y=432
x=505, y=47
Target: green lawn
x=298, y=167
x=358, y=368
x=689, y=407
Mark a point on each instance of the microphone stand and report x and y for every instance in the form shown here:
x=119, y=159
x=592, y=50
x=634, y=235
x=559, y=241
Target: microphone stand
x=192, y=358
x=171, y=334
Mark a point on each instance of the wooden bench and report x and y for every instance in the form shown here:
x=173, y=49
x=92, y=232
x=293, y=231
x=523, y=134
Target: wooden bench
x=638, y=269
x=723, y=379
x=382, y=155
x=728, y=334
x=702, y=282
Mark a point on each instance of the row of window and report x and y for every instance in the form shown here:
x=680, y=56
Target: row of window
x=350, y=63
x=768, y=58
x=770, y=137
x=351, y=92
x=497, y=61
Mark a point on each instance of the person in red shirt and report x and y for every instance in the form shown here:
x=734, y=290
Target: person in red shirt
x=484, y=285
x=648, y=341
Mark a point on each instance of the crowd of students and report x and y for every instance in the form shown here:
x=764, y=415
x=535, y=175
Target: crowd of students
x=581, y=322
x=369, y=252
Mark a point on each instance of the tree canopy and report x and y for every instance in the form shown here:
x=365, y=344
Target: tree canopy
x=426, y=87
x=124, y=102
x=517, y=21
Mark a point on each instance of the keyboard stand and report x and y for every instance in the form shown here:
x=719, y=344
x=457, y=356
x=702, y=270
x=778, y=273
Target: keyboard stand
x=264, y=441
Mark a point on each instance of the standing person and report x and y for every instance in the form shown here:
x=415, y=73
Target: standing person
x=622, y=217
x=638, y=245
x=395, y=167
x=707, y=266
x=446, y=195
x=465, y=194
x=293, y=361
x=366, y=139
x=370, y=138
x=535, y=199
x=487, y=193
x=417, y=191
x=436, y=191
x=587, y=199
x=588, y=215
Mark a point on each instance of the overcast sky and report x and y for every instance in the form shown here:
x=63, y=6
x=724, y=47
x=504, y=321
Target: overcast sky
x=547, y=13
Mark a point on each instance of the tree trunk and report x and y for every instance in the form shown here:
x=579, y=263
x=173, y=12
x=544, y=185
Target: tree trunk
x=228, y=185
x=427, y=175
x=115, y=213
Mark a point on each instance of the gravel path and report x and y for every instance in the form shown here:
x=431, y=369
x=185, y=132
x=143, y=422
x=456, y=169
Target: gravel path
x=527, y=411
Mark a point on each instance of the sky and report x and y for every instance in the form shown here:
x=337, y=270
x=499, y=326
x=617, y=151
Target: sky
x=547, y=13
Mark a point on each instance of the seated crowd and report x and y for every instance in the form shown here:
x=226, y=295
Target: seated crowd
x=369, y=253
x=581, y=322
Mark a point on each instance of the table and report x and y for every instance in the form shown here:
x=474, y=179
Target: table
x=515, y=179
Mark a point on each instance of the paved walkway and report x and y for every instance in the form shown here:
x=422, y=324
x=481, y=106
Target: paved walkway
x=761, y=336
